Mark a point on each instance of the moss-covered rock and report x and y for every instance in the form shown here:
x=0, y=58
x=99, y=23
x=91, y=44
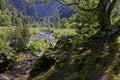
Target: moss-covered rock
x=42, y=64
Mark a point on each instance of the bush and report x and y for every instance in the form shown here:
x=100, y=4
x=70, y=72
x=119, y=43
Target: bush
x=38, y=46
x=19, y=38
x=5, y=48
x=5, y=20
x=3, y=45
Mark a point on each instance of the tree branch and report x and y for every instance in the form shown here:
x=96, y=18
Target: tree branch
x=88, y=10
x=76, y=3
x=63, y=2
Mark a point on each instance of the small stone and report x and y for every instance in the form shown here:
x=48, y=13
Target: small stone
x=5, y=78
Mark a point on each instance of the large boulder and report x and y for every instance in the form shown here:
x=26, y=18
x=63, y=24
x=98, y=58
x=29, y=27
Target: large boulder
x=6, y=62
x=43, y=64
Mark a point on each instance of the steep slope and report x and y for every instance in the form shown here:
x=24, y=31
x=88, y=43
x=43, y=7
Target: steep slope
x=41, y=9
x=85, y=64
x=9, y=15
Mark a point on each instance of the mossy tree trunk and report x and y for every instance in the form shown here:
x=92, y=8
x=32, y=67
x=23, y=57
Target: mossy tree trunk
x=104, y=10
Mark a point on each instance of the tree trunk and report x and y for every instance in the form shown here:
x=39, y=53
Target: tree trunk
x=104, y=15
x=105, y=8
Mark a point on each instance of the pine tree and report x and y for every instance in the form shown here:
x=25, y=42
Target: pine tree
x=56, y=18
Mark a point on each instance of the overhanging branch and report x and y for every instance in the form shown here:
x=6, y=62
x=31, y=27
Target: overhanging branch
x=117, y=23
x=88, y=10
x=76, y=3
x=63, y=2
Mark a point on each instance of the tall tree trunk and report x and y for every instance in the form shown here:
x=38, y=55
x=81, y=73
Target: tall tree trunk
x=103, y=15
x=105, y=8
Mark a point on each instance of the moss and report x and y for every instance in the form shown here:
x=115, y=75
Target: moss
x=42, y=64
x=82, y=67
x=87, y=65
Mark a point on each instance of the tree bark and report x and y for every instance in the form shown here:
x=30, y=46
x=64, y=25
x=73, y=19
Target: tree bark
x=105, y=8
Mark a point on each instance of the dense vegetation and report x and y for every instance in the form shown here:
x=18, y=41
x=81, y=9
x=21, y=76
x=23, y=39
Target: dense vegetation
x=85, y=46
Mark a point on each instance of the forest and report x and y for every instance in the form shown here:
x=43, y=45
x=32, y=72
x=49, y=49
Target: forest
x=59, y=40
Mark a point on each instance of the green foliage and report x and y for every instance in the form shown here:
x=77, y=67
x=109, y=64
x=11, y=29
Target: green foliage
x=81, y=66
x=115, y=13
x=2, y=4
x=5, y=20
x=65, y=32
x=64, y=22
x=3, y=45
x=9, y=15
x=68, y=42
x=84, y=23
x=38, y=45
x=5, y=48
x=17, y=21
x=86, y=64
x=56, y=18
x=35, y=24
x=17, y=59
x=19, y=38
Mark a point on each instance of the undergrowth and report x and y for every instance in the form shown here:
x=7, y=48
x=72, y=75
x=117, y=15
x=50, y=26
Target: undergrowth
x=85, y=64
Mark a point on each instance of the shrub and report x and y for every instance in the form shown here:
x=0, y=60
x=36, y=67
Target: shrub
x=5, y=20
x=19, y=38
x=3, y=45
x=5, y=48
x=38, y=45
x=15, y=57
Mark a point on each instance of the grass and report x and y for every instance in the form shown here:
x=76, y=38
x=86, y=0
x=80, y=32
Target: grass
x=81, y=67
x=77, y=65
x=58, y=32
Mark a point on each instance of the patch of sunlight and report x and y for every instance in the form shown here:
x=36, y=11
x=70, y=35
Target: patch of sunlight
x=116, y=77
x=73, y=59
x=104, y=54
x=118, y=39
x=113, y=64
x=86, y=52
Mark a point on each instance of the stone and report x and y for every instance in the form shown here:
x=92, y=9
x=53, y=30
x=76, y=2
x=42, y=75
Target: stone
x=5, y=62
x=43, y=35
x=43, y=64
x=5, y=78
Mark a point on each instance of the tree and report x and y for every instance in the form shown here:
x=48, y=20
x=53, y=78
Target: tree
x=2, y=4
x=57, y=18
x=103, y=9
x=5, y=20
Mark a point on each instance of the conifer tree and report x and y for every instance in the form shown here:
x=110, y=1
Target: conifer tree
x=56, y=18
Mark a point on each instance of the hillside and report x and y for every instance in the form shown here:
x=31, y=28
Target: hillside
x=42, y=10
x=49, y=42
x=83, y=63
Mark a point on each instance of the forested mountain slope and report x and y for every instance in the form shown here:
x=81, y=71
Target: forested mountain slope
x=42, y=10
